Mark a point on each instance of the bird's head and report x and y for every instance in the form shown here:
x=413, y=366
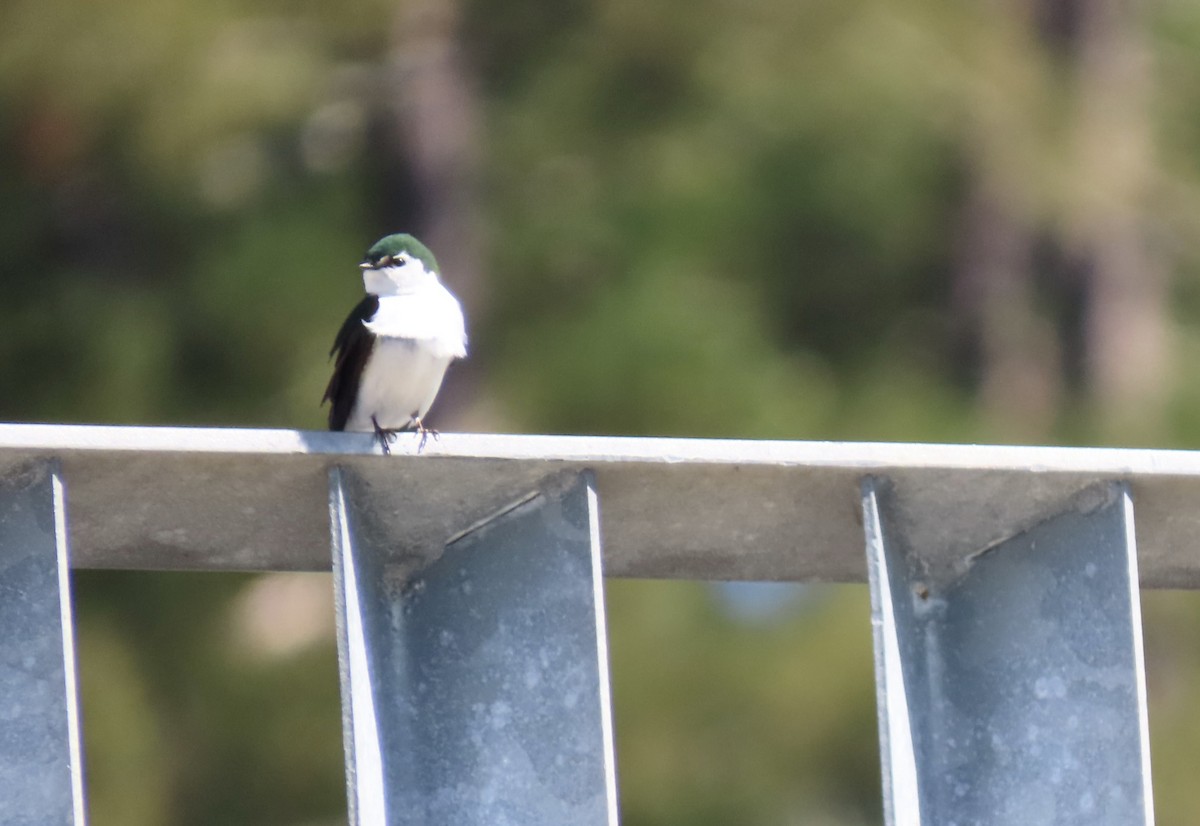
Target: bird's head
x=397, y=264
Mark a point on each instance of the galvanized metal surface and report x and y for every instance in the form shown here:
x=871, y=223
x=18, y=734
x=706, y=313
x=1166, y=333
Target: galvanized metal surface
x=192, y=498
x=41, y=771
x=1014, y=694
x=475, y=692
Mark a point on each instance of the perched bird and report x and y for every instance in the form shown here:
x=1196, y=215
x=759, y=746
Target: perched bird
x=393, y=350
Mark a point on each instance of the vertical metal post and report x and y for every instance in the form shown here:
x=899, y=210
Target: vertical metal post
x=476, y=693
x=41, y=766
x=1016, y=693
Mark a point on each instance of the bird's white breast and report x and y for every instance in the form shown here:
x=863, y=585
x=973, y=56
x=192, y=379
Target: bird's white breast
x=418, y=334
x=431, y=316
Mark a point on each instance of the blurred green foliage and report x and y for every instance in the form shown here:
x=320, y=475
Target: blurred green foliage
x=702, y=218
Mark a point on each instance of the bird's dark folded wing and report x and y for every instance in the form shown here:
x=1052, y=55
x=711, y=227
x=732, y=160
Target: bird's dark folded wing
x=351, y=348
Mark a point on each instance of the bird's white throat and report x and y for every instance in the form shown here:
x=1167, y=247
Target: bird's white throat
x=407, y=279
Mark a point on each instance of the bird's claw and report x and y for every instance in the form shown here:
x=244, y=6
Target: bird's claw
x=425, y=433
x=385, y=436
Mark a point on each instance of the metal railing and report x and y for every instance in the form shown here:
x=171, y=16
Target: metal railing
x=470, y=609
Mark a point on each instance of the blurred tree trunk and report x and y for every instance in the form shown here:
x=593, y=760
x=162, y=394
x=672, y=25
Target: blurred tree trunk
x=434, y=124
x=1125, y=330
x=1117, y=338
x=1012, y=346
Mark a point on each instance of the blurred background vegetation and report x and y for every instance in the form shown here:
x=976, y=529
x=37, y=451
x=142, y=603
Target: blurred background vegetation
x=944, y=220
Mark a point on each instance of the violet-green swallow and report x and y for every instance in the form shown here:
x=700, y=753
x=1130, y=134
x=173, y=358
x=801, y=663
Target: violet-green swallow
x=393, y=350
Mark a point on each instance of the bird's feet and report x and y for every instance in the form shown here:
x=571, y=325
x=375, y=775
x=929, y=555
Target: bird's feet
x=385, y=435
x=424, y=432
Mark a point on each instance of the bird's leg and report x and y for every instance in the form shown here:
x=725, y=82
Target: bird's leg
x=425, y=432
x=385, y=436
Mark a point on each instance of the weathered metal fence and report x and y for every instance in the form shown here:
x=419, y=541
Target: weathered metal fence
x=470, y=606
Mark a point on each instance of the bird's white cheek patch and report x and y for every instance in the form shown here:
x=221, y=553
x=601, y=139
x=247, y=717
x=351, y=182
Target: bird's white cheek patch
x=377, y=282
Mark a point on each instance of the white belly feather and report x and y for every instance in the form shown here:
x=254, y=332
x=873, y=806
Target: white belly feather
x=398, y=384
x=417, y=336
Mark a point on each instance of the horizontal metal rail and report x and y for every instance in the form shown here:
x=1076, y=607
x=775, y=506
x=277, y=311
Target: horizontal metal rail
x=237, y=499
x=469, y=589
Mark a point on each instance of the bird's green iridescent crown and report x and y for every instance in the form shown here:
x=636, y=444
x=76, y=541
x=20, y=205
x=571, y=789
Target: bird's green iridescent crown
x=392, y=245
